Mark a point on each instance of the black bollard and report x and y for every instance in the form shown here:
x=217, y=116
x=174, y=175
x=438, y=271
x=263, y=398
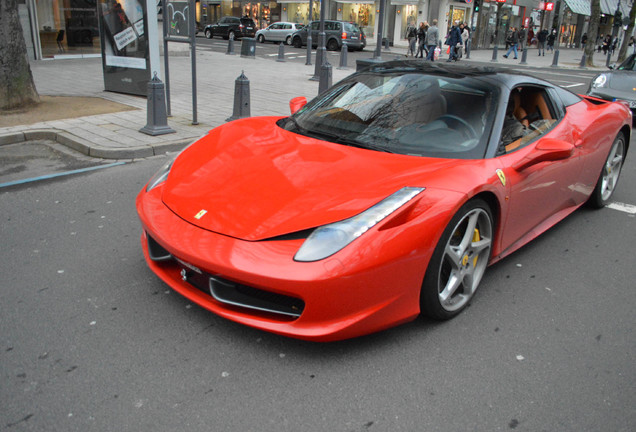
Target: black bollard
x=524, y=57
x=157, y=120
x=494, y=54
x=241, y=98
x=343, y=55
x=555, y=59
x=386, y=44
x=230, y=47
x=583, y=61
x=325, y=77
x=281, y=52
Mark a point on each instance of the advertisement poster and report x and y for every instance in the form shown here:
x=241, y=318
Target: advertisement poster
x=125, y=56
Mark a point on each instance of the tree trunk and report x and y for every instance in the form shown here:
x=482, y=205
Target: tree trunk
x=622, y=53
x=592, y=32
x=16, y=81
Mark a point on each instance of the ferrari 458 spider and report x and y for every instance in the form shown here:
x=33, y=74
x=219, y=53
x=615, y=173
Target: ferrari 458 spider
x=386, y=196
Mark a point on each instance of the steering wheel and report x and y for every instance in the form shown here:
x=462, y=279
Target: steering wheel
x=469, y=131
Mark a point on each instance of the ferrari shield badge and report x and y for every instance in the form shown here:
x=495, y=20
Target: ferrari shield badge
x=200, y=214
x=502, y=177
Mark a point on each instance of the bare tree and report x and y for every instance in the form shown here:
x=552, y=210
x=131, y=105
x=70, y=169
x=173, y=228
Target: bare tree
x=592, y=32
x=17, y=88
x=622, y=53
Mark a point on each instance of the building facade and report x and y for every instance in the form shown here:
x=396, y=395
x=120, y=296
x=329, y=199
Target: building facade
x=59, y=28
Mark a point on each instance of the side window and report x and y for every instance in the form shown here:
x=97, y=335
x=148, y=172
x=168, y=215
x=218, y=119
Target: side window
x=530, y=113
x=315, y=25
x=287, y=26
x=336, y=26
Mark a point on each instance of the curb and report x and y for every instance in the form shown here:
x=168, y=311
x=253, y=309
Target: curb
x=89, y=149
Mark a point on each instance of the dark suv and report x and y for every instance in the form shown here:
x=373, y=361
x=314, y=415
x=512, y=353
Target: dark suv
x=231, y=27
x=336, y=32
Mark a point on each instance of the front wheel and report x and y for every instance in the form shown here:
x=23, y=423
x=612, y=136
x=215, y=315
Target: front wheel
x=261, y=39
x=208, y=33
x=288, y=41
x=458, y=262
x=608, y=179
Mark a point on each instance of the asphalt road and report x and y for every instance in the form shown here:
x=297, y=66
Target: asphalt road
x=91, y=340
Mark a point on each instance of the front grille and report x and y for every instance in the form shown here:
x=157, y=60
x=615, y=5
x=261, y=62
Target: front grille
x=231, y=293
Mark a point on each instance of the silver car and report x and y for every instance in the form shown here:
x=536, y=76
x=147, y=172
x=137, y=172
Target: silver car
x=619, y=83
x=278, y=32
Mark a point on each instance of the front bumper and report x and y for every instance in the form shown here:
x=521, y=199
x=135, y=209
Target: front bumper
x=352, y=293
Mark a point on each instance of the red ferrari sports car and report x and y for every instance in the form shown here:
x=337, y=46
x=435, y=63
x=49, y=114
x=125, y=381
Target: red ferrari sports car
x=385, y=197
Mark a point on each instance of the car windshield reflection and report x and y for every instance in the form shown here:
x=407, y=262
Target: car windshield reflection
x=404, y=112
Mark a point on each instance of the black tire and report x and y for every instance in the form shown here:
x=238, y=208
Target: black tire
x=208, y=34
x=231, y=35
x=297, y=42
x=461, y=255
x=332, y=45
x=288, y=40
x=261, y=39
x=610, y=174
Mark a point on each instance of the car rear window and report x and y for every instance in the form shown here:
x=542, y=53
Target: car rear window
x=352, y=28
x=247, y=22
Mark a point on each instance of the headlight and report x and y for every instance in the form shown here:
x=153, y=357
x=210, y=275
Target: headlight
x=599, y=81
x=160, y=176
x=329, y=239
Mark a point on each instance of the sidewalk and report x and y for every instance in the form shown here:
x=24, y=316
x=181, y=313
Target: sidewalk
x=272, y=85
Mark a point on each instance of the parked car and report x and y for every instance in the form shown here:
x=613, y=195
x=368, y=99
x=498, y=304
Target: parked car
x=619, y=83
x=385, y=197
x=231, y=27
x=336, y=32
x=278, y=32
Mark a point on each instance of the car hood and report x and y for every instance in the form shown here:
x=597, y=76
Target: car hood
x=624, y=82
x=251, y=179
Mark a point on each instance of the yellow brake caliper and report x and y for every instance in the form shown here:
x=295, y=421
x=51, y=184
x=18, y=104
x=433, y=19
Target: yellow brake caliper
x=476, y=238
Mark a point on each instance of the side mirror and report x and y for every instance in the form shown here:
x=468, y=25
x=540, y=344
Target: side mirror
x=548, y=149
x=297, y=103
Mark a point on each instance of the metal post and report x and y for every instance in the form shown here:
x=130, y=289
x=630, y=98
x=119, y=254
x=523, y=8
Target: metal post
x=377, y=55
x=309, y=41
x=165, y=62
x=193, y=56
x=230, y=46
x=524, y=56
x=241, y=98
x=555, y=60
x=495, y=50
x=157, y=122
x=281, y=52
x=583, y=61
x=343, y=55
x=321, y=55
x=325, y=77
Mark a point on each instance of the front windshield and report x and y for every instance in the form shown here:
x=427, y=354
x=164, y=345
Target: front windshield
x=404, y=112
x=628, y=64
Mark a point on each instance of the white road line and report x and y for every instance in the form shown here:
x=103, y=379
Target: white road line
x=572, y=85
x=627, y=208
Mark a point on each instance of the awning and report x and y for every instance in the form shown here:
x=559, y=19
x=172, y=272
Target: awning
x=608, y=7
x=404, y=2
x=356, y=1
x=581, y=7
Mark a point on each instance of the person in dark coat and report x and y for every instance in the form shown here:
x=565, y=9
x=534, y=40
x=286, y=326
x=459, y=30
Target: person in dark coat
x=551, y=39
x=421, y=40
x=514, y=42
x=454, y=39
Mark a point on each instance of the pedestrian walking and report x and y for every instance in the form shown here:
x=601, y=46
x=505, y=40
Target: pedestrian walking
x=411, y=36
x=513, y=38
x=421, y=40
x=453, y=40
x=432, y=39
x=465, y=36
x=542, y=37
x=551, y=39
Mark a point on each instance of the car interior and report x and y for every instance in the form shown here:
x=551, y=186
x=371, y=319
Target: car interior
x=530, y=107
